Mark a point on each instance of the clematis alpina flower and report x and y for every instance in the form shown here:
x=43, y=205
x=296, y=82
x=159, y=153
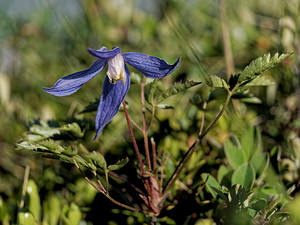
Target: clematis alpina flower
x=117, y=81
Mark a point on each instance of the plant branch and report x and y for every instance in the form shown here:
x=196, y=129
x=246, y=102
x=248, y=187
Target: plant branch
x=145, y=127
x=137, y=153
x=103, y=191
x=25, y=182
x=192, y=148
x=136, y=148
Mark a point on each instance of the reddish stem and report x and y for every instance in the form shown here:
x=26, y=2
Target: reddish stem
x=145, y=128
x=136, y=148
x=137, y=152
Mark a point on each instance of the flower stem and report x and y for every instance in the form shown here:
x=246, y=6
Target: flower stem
x=138, y=153
x=145, y=127
x=136, y=148
x=192, y=148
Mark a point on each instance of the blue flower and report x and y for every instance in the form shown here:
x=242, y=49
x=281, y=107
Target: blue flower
x=117, y=81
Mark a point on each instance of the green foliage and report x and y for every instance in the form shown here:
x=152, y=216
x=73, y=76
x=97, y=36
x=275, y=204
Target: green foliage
x=118, y=165
x=260, y=65
x=157, y=93
x=52, y=210
x=245, y=176
x=175, y=89
x=211, y=184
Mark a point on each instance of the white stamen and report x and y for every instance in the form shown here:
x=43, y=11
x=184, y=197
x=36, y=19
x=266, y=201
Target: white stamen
x=116, y=69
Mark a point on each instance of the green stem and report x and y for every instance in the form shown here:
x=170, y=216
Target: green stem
x=192, y=149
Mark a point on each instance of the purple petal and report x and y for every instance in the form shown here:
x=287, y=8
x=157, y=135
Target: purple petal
x=111, y=99
x=73, y=82
x=150, y=66
x=104, y=53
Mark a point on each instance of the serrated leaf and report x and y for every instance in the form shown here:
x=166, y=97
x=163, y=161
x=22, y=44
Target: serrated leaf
x=217, y=82
x=30, y=146
x=118, y=165
x=73, y=128
x=44, y=131
x=244, y=175
x=82, y=163
x=261, y=65
x=98, y=159
x=261, y=81
x=210, y=183
x=175, y=89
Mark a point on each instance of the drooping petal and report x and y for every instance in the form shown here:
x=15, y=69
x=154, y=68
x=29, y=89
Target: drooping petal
x=111, y=99
x=104, y=53
x=150, y=66
x=73, y=82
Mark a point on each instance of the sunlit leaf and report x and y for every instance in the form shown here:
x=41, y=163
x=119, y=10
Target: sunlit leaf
x=217, y=82
x=244, y=175
x=261, y=65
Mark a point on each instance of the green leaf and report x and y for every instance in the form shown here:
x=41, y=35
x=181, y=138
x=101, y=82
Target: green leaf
x=246, y=98
x=33, y=197
x=211, y=183
x=118, y=165
x=249, y=143
x=234, y=155
x=44, y=130
x=261, y=81
x=261, y=65
x=26, y=218
x=97, y=159
x=244, y=175
x=82, y=163
x=73, y=128
x=260, y=161
x=217, y=82
x=52, y=210
x=71, y=215
x=164, y=106
x=175, y=89
x=74, y=214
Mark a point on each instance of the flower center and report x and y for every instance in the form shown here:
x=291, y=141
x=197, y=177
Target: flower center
x=116, y=69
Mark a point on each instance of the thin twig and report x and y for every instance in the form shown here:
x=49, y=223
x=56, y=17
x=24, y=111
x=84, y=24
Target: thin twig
x=25, y=182
x=153, y=154
x=122, y=179
x=101, y=191
x=152, y=117
x=202, y=118
x=145, y=128
x=226, y=40
x=137, y=152
x=99, y=183
x=136, y=148
x=192, y=148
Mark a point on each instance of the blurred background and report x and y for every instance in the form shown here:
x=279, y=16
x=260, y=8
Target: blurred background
x=43, y=40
